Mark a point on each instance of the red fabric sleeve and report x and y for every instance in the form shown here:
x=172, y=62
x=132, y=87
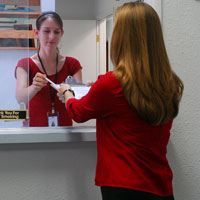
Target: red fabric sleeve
x=23, y=63
x=74, y=65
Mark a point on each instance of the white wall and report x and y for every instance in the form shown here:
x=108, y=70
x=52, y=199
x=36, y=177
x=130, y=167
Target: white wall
x=181, y=25
x=63, y=171
x=156, y=4
x=104, y=8
x=79, y=41
x=75, y=9
x=47, y=5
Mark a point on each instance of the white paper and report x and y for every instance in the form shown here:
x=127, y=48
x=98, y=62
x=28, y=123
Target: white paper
x=80, y=91
x=55, y=86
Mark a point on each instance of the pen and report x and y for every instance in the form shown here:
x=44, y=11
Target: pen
x=55, y=86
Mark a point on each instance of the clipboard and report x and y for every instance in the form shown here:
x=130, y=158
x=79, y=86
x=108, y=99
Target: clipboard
x=80, y=89
x=72, y=82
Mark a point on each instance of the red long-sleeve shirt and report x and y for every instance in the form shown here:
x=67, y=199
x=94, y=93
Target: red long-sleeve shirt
x=131, y=153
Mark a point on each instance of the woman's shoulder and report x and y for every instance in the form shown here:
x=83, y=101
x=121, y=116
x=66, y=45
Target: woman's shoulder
x=72, y=65
x=71, y=59
x=27, y=64
x=108, y=80
x=23, y=61
x=108, y=77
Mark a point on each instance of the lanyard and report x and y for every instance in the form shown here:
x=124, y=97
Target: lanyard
x=52, y=93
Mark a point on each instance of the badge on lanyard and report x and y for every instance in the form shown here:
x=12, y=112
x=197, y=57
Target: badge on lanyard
x=53, y=118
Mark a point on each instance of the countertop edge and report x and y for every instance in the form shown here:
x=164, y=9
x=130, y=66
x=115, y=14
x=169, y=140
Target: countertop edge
x=47, y=135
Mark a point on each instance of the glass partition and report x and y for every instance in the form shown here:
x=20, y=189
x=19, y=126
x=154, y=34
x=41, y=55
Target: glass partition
x=16, y=42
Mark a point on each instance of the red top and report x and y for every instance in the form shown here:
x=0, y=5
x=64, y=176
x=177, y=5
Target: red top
x=131, y=153
x=41, y=103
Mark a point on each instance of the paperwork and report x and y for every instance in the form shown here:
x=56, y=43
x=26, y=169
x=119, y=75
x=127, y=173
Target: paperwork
x=80, y=90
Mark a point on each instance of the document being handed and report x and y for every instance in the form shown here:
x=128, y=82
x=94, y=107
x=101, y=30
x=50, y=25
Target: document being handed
x=79, y=89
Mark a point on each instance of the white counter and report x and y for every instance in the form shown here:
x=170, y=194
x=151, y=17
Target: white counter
x=46, y=134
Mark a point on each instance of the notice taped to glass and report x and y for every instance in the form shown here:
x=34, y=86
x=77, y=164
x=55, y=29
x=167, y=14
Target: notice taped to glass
x=9, y=115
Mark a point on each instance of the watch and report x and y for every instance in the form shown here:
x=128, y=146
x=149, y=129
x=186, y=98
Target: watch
x=70, y=90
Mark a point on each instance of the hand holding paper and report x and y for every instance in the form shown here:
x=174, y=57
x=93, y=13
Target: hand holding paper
x=80, y=90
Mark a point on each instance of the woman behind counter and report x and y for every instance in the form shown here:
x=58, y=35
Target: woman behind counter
x=134, y=106
x=32, y=88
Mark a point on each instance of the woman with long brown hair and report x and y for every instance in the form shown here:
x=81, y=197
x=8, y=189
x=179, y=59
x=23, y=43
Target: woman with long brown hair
x=134, y=106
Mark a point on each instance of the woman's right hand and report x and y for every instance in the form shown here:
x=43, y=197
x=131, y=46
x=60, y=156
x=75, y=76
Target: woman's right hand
x=39, y=81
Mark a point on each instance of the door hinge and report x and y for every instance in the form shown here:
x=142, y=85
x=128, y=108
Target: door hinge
x=97, y=38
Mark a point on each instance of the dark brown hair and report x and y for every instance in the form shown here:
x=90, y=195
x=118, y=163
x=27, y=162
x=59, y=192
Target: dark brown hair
x=49, y=14
x=142, y=66
x=46, y=15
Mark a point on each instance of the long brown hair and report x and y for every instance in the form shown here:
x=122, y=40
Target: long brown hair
x=142, y=66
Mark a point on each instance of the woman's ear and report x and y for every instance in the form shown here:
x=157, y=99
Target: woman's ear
x=36, y=32
x=62, y=33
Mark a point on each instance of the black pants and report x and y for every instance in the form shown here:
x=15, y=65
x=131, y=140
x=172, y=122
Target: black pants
x=115, y=193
